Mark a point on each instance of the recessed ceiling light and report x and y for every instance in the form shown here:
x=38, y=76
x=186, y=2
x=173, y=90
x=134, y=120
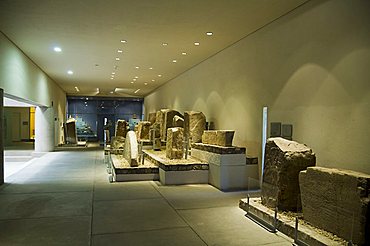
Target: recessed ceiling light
x=153, y=80
x=136, y=77
x=209, y=33
x=70, y=72
x=151, y=68
x=184, y=53
x=165, y=44
x=137, y=67
x=77, y=89
x=57, y=49
x=113, y=73
x=123, y=41
x=174, y=61
x=119, y=51
x=132, y=82
x=159, y=75
x=137, y=91
x=112, y=78
x=87, y=98
x=145, y=83
x=111, y=92
x=117, y=58
x=196, y=43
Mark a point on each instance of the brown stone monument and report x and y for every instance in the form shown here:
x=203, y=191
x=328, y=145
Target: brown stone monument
x=194, y=125
x=71, y=132
x=168, y=121
x=152, y=117
x=143, y=130
x=121, y=128
x=175, y=143
x=337, y=201
x=284, y=160
x=222, y=138
x=155, y=136
x=131, y=150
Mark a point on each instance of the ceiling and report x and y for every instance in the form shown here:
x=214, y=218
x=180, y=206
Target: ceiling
x=89, y=32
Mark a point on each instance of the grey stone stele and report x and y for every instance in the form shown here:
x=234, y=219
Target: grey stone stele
x=218, y=137
x=131, y=151
x=175, y=143
x=143, y=130
x=121, y=128
x=168, y=121
x=194, y=125
x=152, y=117
x=337, y=201
x=71, y=131
x=284, y=160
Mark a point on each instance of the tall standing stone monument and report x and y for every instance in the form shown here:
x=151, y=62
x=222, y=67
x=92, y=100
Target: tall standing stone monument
x=168, y=121
x=143, y=130
x=284, y=160
x=175, y=143
x=131, y=151
x=121, y=128
x=194, y=125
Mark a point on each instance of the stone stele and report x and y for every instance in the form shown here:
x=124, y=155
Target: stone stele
x=121, y=128
x=175, y=143
x=71, y=132
x=155, y=136
x=131, y=151
x=143, y=130
x=159, y=119
x=168, y=121
x=284, y=160
x=337, y=201
x=218, y=137
x=152, y=117
x=194, y=125
x=117, y=142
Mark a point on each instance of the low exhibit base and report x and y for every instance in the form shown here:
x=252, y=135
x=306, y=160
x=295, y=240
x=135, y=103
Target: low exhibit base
x=178, y=171
x=122, y=172
x=286, y=224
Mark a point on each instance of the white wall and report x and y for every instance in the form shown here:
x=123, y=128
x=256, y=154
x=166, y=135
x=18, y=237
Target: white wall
x=21, y=78
x=310, y=67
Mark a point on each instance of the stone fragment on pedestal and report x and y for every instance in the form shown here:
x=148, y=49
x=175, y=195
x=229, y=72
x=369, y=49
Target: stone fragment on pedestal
x=143, y=130
x=155, y=136
x=175, y=143
x=218, y=137
x=168, y=122
x=160, y=119
x=152, y=117
x=131, y=151
x=70, y=131
x=121, y=128
x=284, y=160
x=194, y=125
x=117, y=142
x=337, y=201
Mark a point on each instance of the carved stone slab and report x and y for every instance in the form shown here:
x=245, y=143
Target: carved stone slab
x=194, y=125
x=335, y=200
x=152, y=117
x=121, y=128
x=284, y=160
x=175, y=143
x=168, y=121
x=143, y=130
x=131, y=151
x=218, y=137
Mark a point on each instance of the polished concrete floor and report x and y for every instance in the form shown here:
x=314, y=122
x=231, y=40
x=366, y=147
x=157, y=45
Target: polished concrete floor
x=64, y=198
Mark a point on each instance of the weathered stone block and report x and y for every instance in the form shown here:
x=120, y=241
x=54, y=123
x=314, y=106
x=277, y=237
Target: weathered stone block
x=118, y=142
x=71, y=132
x=131, y=151
x=194, y=125
x=160, y=119
x=175, y=143
x=143, y=130
x=152, y=118
x=337, y=201
x=284, y=160
x=121, y=128
x=168, y=121
x=218, y=137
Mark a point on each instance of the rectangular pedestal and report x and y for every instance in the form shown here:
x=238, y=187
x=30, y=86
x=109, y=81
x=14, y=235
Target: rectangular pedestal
x=136, y=177
x=233, y=177
x=183, y=177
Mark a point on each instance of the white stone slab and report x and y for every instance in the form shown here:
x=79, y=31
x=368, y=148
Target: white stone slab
x=183, y=177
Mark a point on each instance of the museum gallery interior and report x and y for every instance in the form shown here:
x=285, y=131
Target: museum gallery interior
x=206, y=122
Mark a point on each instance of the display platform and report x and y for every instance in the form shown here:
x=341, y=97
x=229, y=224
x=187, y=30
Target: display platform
x=122, y=171
x=286, y=223
x=178, y=171
x=228, y=168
